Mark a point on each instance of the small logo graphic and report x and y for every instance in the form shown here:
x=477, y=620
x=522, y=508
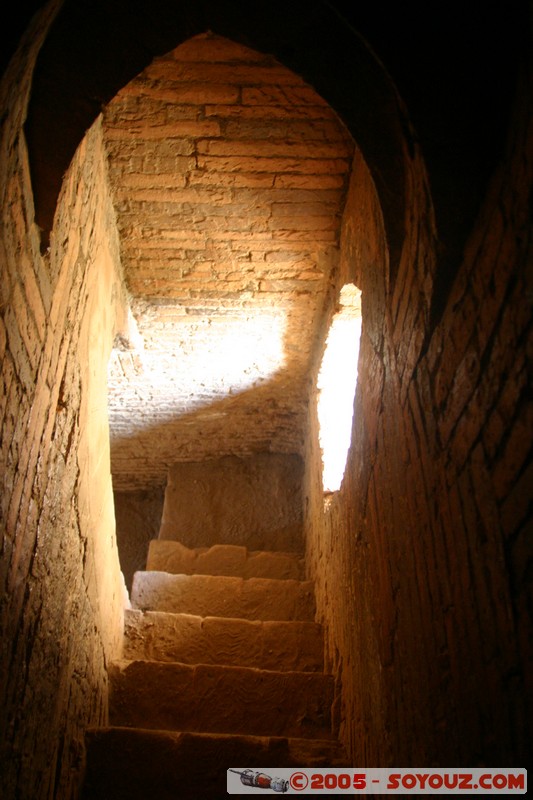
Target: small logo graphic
x=261, y=781
x=299, y=781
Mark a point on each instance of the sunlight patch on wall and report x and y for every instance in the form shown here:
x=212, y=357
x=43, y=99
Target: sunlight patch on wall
x=336, y=385
x=181, y=362
x=219, y=355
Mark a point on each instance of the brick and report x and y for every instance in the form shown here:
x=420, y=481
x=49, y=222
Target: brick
x=201, y=222
x=297, y=209
x=251, y=180
x=514, y=453
x=294, y=263
x=288, y=285
x=193, y=93
x=157, y=200
x=268, y=112
x=311, y=166
x=16, y=343
x=331, y=198
x=280, y=96
x=308, y=275
x=303, y=223
x=402, y=295
x=178, y=129
x=9, y=390
x=288, y=251
x=286, y=129
x=35, y=301
x=466, y=376
x=213, y=72
x=125, y=151
x=302, y=181
x=515, y=508
x=267, y=149
x=503, y=413
x=317, y=236
x=27, y=328
x=182, y=195
x=3, y=339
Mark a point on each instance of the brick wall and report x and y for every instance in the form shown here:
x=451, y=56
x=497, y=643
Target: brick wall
x=61, y=591
x=422, y=562
x=229, y=174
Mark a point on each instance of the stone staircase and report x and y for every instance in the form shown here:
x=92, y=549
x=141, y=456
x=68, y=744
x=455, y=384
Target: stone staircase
x=222, y=667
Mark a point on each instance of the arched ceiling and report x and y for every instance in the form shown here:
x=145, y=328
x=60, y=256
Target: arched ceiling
x=95, y=47
x=228, y=174
x=454, y=64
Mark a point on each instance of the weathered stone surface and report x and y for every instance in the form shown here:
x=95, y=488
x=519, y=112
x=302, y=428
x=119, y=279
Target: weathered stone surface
x=286, y=646
x=235, y=500
x=223, y=559
x=130, y=764
x=222, y=596
x=220, y=699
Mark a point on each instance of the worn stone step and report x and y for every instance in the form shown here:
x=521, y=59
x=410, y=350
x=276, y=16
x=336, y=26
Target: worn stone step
x=190, y=639
x=222, y=596
x=223, y=559
x=220, y=699
x=133, y=764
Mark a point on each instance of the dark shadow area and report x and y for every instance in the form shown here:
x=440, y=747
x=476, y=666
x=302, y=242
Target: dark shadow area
x=138, y=519
x=95, y=48
x=454, y=64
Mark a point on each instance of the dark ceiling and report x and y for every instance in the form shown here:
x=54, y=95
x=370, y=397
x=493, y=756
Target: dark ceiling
x=454, y=63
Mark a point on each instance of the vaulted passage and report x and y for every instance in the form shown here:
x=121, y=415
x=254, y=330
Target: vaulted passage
x=229, y=176
x=192, y=200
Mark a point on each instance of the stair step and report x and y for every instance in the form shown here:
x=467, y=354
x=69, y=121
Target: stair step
x=223, y=596
x=134, y=764
x=190, y=639
x=220, y=699
x=223, y=559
